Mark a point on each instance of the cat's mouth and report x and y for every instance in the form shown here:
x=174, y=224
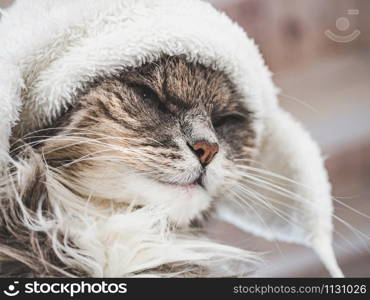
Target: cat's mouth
x=198, y=183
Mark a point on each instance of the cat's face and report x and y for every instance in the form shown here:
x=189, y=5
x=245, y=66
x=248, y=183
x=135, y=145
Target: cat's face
x=167, y=134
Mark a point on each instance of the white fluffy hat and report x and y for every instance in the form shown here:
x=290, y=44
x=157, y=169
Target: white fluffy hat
x=51, y=49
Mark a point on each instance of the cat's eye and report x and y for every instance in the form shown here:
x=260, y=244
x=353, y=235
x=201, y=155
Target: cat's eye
x=229, y=119
x=148, y=94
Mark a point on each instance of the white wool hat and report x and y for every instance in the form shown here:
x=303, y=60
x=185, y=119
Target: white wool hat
x=51, y=49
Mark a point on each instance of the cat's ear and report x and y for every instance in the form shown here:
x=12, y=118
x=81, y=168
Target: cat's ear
x=285, y=194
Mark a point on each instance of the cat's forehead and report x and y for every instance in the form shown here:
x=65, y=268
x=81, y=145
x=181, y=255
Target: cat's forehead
x=192, y=83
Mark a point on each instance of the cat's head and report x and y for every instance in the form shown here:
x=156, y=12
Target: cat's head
x=168, y=134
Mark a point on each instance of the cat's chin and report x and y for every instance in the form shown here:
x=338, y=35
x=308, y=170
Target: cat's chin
x=181, y=203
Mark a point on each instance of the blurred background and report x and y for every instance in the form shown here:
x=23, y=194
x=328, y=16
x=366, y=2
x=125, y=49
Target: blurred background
x=319, y=52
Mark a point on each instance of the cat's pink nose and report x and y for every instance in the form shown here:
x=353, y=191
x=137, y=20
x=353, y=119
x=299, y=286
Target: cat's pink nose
x=205, y=151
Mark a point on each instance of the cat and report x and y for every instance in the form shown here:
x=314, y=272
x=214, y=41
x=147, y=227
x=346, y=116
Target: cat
x=130, y=123
x=167, y=135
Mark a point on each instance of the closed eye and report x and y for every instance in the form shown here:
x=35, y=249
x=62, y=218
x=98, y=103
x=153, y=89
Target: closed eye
x=146, y=93
x=149, y=95
x=230, y=119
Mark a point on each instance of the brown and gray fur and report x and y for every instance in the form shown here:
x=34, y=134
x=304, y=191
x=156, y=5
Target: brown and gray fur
x=144, y=111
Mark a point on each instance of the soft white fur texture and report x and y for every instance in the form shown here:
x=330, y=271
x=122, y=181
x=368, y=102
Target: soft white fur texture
x=50, y=50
